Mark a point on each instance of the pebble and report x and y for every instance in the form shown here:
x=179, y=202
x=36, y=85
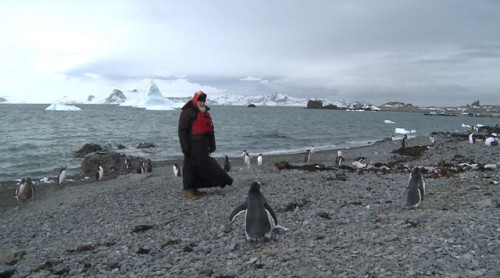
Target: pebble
x=342, y=230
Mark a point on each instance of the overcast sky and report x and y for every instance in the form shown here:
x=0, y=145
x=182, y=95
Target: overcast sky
x=425, y=52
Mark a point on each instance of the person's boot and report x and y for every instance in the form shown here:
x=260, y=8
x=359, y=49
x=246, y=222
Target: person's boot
x=200, y=193
x=190, y=194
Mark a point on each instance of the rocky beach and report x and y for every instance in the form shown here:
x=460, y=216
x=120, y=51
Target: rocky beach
x=342, y=221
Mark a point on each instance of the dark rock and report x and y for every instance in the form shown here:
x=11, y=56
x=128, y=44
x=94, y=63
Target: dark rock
x=416, y=151
x=7, y=273
x=121, y=147
x=330, y=106
x=116, y=97
x=142, y=228
x=475, y=103
x=145, y=145
x=284, y=165
x=324, y=215
x=314, y=104
x=251, y=105
x=61, y=272
x=294, y=205
x=112, y=162
x=86, y=149
x=142, y=250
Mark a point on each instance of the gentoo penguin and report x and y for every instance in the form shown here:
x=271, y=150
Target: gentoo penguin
x=260, y=219
x=260, y=160
x=227, y=164
x=25, y=190
x=416, y=189
x=432, y=139
x=149, y=166
x=404, y=142
x=61, y=177
x=177, y=171
x=246, y=158
x=490, y=141
x=99, y=172
x=472, y=138
x=340, y=159
x=142, y=167
x=128, y=164
x=307, y=156
x=312, y=149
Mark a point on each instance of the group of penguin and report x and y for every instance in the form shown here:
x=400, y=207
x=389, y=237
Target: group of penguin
x=491, y=140
x=26, y=188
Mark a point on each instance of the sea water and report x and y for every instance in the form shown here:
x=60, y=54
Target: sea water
x=37, y=143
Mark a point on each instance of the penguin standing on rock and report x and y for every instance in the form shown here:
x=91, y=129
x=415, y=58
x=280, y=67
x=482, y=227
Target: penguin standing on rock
x=128, y=164
x=61, y=177
x=177, y=171
x=142, y=167
x=25, y=190
x=99, y=172
x=416, y=189
x=227, y=164
x=260, y=219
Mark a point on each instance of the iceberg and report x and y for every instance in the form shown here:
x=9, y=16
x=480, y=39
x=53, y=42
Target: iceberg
x=404, y=131
x=152, y=100
x=61, y=106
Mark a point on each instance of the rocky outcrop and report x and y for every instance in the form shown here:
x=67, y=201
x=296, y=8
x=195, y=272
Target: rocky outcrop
x=251, y=105
x=330, y=106
x=2, y=100
x=314, y=104
x=145, y=145
x=116, y=97
x=87, y=149
x=90, y=98
x=475, y=104
x=112, y=162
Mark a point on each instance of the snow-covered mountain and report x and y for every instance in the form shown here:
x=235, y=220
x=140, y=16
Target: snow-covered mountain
x=116, y=97
x=275, y=99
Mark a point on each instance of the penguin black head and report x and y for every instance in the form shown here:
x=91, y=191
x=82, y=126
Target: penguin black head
x=29, y=181
x=255, y=187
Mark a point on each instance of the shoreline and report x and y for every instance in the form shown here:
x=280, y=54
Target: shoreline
x=7, y=188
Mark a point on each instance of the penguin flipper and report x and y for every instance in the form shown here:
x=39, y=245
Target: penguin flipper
x=271, y=212
x=237, y=210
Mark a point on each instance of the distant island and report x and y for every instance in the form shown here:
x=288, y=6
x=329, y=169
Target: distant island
x=473, y=109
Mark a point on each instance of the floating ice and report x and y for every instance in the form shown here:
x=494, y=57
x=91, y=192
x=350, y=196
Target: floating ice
x=389, y=122
x=404, y=131
x=60, y=106
x=153, y=100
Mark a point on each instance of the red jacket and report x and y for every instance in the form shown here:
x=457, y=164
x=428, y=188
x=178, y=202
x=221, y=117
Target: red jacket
x=196, y=131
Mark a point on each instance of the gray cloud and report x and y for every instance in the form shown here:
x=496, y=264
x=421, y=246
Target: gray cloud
x=427, y=52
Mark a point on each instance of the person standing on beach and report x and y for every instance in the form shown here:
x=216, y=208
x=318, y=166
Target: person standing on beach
x=404, y=142
x=197, y=140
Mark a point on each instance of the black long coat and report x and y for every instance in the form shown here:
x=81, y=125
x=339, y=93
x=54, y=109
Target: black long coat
x=199, y=170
